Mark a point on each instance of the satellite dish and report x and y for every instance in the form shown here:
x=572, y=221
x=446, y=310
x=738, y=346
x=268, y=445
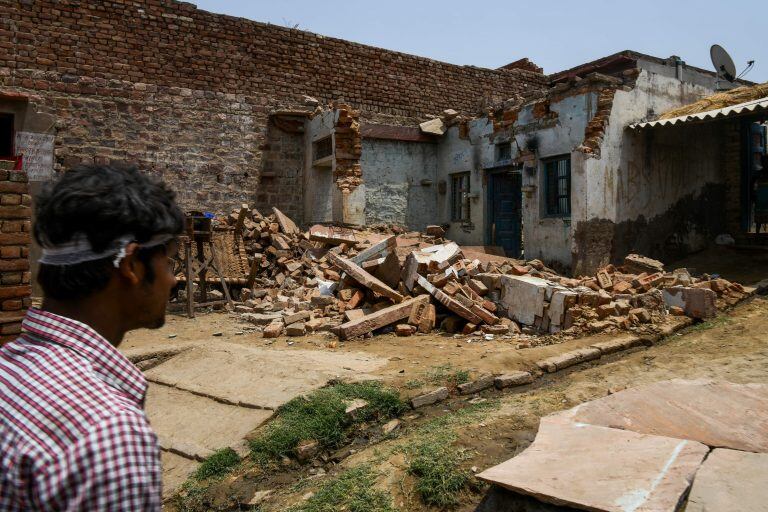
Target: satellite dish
x=723, y=62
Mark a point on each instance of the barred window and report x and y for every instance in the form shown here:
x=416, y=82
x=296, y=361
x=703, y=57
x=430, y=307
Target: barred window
x=460, y=197
x=557, y=186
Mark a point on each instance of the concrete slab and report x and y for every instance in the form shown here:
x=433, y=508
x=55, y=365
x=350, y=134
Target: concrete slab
x=259, y=377
x=730, y=480
x=196, y=426
x=176, y=470
x=718, y=414
x=601, y=469
x=523, y=297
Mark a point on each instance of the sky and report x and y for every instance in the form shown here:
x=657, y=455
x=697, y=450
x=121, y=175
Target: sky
x=556, y=34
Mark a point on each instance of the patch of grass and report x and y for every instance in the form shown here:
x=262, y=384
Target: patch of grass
x=437, y=466
x=352, y=491
x=193, y=493
x=192, y=496
x=414, y=384
x=321, y=416
x=709, y=324
x=218, y=464
x=436, y=462
x=446, y=375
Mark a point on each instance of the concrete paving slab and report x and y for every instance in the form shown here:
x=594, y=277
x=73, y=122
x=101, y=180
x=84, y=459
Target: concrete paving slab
x=176, y=470
x=730, y=480
x=601, y=469
x=718, y=414
x=196, y=426
x=259, y=377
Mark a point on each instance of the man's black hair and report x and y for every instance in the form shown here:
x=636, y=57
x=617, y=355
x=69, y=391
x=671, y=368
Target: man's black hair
x=104, y=202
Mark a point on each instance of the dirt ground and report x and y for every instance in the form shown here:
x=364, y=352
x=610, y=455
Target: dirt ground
x=733, y=347
x=413, y=361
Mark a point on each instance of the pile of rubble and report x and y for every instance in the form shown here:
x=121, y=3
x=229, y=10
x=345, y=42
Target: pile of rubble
x=354, y=282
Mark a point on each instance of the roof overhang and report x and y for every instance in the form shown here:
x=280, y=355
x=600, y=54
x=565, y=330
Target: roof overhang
x=742, y=109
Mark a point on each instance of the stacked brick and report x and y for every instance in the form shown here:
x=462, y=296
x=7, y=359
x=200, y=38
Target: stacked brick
x=15, y=223
x=187, y=94
x=173, y=44
x=349, y=147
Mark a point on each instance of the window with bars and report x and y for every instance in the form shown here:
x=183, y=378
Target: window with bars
x=322, y=148
x=460, y=197
x=557, y=186
x=503, y=151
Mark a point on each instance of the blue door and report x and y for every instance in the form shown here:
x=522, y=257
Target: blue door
x=505, y=205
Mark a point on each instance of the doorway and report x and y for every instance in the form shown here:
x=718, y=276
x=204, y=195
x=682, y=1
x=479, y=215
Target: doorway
x=504, y=227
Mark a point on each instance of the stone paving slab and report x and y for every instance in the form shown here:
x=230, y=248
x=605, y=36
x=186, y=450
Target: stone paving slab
x=196, y=426
x=718, y=414
x=731, y=481
x=259, y=377
x=176, y=470
x=601, y=469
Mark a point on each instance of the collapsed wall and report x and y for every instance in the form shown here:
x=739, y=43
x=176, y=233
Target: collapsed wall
x=187, y=94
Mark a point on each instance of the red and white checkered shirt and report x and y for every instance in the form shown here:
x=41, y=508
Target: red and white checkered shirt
x=73, y=433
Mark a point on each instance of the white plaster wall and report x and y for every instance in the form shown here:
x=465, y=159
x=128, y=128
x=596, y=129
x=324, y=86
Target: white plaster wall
x=620, y=186
x=319, y=186
x=456, y=155
x=544, y=237
x=393, y=172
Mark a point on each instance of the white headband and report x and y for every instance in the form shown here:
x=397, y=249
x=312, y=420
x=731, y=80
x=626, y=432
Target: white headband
x=79, y=250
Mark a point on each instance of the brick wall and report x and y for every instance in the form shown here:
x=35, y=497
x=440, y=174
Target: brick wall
x=283, y=167
x=187, y=94
x=14, y=252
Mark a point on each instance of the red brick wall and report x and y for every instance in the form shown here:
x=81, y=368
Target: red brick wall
x=14, y=252
x=173, y=44
x=186, y=93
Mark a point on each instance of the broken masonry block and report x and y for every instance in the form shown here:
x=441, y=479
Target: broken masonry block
x=273, y=330
x=364, y=278
x=332, y=235
x=423, y=317
x=286, y=224
x=436, y=231
x=449, y=302
x=405, y=330
x=478, y=287
x=637, y=264
x=430, y=398
x=495, y=329
x=604, y=280
x=296, y=329
x=381, y=318
x=696, y=302
x=477, y=385
x=513, y=379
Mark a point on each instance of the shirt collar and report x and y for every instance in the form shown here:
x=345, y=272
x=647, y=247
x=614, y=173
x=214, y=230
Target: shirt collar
x=108, y=363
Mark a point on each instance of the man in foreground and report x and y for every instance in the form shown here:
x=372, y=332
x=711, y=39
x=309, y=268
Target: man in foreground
x=73, y=433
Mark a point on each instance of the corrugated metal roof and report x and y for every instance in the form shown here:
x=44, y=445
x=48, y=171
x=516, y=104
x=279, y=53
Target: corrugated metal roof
x=734, y=110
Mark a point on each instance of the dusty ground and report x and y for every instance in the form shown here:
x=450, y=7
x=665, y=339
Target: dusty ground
x=733, y=348
x=413, y=361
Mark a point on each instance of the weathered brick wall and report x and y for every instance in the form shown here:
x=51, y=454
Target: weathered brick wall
x=282, y=171
x=14, y=252
x=187, y=94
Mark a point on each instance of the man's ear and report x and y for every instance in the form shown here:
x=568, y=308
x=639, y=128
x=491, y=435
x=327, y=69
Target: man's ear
x=130, y=267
